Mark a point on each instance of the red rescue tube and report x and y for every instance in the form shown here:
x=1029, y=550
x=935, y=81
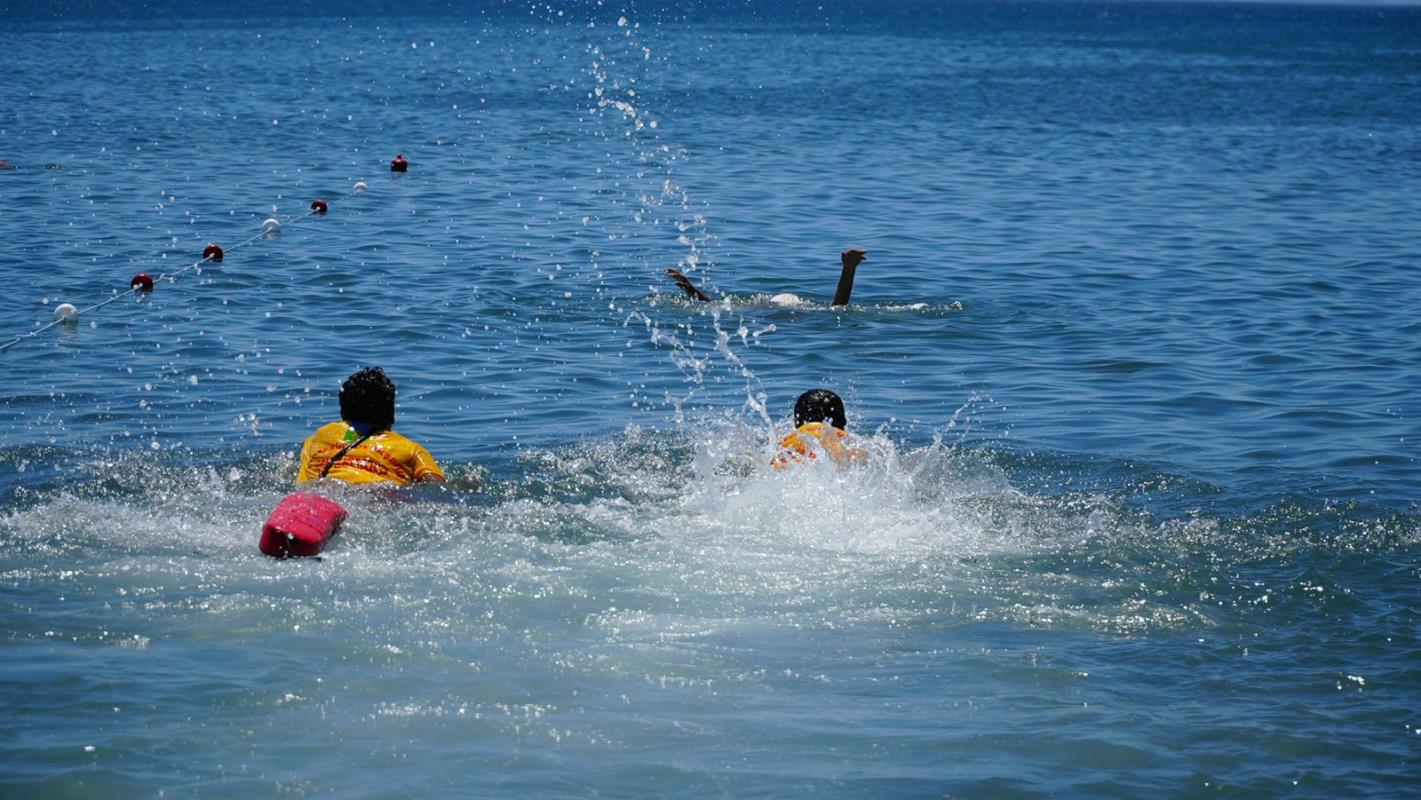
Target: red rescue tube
x=302, y=524
x=319, y=206
x=213, y=252
x=143, y=282
x=399, y=164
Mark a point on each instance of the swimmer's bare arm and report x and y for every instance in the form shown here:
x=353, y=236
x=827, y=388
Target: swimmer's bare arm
x=688, y=287
x=850, y=259
x=468, y=483
x=849, y=452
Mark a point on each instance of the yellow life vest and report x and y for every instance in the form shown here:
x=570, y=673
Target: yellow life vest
x=804, y=443
x=384, y=456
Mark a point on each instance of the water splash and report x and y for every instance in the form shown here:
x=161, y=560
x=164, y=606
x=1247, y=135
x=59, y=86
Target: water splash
x=620, y=78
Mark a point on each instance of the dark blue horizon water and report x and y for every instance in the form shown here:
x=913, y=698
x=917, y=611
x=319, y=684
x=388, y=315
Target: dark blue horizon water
x=1134, y=350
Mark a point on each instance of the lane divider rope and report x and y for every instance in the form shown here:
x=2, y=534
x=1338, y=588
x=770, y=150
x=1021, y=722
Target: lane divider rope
x=213, y=253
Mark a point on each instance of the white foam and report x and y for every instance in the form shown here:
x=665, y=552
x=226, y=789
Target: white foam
x=816, y=505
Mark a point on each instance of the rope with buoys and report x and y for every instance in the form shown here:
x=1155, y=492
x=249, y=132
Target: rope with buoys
x=143, y=282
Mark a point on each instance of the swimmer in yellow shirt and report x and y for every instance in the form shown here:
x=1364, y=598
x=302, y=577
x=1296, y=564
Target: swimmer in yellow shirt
x=361, y=448
x=819, y=423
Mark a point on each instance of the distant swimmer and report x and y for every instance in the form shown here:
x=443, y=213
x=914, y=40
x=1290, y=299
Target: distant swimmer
x=361, y=447
x=850, y=259
x=819, y=426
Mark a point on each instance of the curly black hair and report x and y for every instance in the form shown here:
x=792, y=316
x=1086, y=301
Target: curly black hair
x=368, y=397
x=817, y=405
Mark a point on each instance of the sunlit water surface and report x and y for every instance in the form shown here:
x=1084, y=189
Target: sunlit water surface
x=1134, y=353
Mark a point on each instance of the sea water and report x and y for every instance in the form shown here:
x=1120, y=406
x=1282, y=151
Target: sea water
x=1134, y=354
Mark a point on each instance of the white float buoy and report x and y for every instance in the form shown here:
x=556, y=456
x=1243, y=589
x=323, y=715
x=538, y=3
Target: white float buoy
x=271, y=227
x=66, y=312
x=360, y=186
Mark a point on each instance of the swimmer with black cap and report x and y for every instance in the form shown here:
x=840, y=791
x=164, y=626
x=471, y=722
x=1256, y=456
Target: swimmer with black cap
x=819, y=426
x=361, y=447
x=850, y=259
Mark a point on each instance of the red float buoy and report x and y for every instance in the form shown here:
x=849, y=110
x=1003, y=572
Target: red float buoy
x=143, y=282
x=319, y=206
x=302, y=524
x=399, y=164
x=212, y=253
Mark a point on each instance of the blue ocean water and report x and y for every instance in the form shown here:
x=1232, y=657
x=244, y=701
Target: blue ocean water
x=1133, y=350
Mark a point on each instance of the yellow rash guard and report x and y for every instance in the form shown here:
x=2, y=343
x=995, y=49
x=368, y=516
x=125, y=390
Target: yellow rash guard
x=803, y=443
x=384, y=456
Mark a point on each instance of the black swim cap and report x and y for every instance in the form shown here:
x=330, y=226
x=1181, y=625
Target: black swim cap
x=368, y=397
x=818, y=405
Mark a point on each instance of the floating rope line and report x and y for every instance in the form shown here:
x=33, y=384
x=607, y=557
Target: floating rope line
x=213, y=253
